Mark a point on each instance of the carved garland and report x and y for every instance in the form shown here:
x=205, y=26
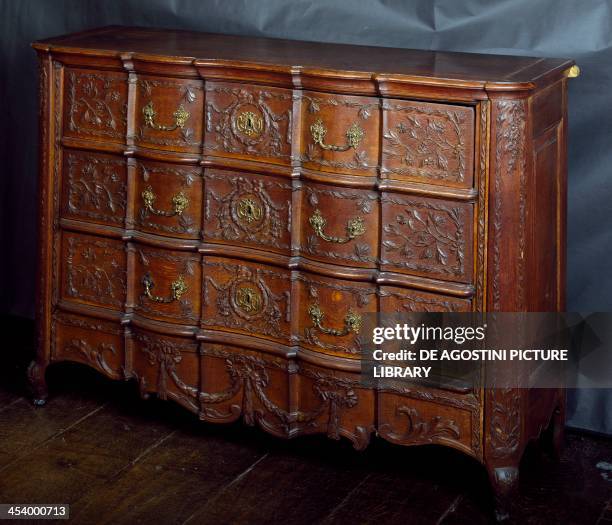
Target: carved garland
x=249, y=374
x=246, y=302
x=268, y=141
x=261, y=222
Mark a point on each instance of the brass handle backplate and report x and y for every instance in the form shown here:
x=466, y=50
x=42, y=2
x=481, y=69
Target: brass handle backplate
x=352, y=322
x=354, y=134
x=179, y=203
x=180, y=118
x=354, y=228
x=178, y=287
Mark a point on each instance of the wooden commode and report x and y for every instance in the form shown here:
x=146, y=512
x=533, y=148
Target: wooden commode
x=218, y=213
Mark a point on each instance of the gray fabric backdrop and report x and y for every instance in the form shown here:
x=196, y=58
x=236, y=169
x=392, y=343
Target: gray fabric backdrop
x=580, y=29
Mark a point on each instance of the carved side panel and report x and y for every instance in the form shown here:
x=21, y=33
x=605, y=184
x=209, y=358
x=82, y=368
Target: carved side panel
x=95, y=105
x=94, y=187
x=403, y=300
x=249, y=210
x=339, y=225
x=508, y=206
x=89, y=341
x=167, y=284
x=93, y=270
x=340, y=133
x=167, y=366
x=169, y=113
x=248, y=121
x=249, y=298
x=430, y=237
x=330, y=313
x=431, y=143
x=168, y=199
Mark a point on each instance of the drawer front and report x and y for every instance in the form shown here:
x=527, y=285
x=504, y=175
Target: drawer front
x=168, y=366
x=239, y=382
x=248, y=210
x=330, y=313
x=430, y=143
x=95, y=105
x=94, y=187
x=93, y=270
x=248, y=121
x=89, y=341
x=404, y=300
x=168, y=199
x=428, y=237
x=169, y=113
x=339, y=225
x=248, y=298
x=167, y=284
x=340, y=133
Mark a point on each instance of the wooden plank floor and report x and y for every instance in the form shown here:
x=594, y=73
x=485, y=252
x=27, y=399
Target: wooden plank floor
x=117, y=459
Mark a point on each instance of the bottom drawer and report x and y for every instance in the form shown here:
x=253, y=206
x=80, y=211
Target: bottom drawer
x=89, y=341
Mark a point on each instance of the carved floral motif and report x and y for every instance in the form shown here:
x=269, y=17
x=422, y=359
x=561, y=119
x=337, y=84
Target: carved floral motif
x=95, y=270
x=426, y=141
x=97, y=104
x=427, y=237
x=96, y=187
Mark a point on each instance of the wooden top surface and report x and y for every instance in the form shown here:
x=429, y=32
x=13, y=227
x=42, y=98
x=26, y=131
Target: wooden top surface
x=291, y=54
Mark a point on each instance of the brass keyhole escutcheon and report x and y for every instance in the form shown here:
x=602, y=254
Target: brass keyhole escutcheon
x=249, y=123
x=248, y=299
x=248, y=210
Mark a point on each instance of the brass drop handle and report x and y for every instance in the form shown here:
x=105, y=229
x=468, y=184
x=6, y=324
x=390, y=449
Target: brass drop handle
x=179, y=203
x=177, y=288
x=354, y=228
x=352, y=322
x=354, y=134
x=180, y=118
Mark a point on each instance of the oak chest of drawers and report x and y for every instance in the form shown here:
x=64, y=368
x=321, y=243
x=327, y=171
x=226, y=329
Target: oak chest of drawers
x=218, y=213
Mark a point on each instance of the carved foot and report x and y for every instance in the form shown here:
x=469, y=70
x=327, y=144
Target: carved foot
x=504, y=481
x=38, y=383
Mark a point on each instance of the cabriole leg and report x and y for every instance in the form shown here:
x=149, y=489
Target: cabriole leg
x=38, y=382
